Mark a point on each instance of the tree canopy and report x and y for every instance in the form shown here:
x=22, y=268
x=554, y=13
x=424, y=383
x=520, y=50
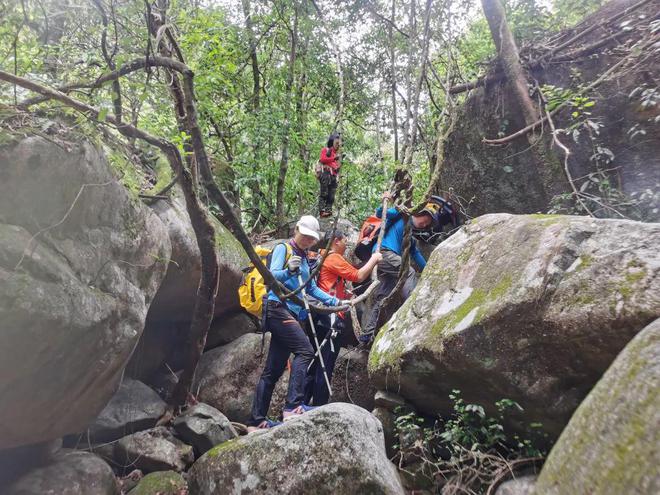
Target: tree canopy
x=272, y=80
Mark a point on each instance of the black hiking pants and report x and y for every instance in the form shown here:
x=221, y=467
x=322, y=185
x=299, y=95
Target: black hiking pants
x=388, y=273
x=286, y=337
x=316, y=389
x=328, y=184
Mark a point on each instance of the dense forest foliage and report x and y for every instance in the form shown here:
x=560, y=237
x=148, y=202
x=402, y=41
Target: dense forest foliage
x=272, y=80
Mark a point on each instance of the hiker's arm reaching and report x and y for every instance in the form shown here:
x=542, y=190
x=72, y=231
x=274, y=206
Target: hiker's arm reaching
x=392, y=213
x=365, y=271
x=277, y=268
x=417, y=256
x=317, y=293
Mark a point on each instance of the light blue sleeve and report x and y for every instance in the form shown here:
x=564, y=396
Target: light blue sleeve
x=317, y=293
x=277, y=268
x=417, y=256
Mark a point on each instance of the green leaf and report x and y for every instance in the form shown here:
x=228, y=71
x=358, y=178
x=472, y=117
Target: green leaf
x=103, y=113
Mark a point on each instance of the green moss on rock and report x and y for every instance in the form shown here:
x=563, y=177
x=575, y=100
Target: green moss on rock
x=479, y=300
x=614, y=433
x=160, y=483
x=227, y=446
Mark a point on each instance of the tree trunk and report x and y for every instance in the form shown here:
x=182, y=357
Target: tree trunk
x=284, y=160
x=510, y=60
x=249, y=26
x=509, y=57
x=301, y=108
x=395, y=123
x=412, y=50
x=414, y=105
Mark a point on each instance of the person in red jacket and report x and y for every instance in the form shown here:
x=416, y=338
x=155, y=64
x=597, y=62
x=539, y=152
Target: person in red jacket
x=330, y=161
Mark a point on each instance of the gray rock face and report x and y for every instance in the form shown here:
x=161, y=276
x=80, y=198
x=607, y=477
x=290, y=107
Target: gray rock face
x=227, y=376
x=153, y=450
x=227, y=328
x=203, y=427
x=388, y=400
x=336, y=449
x=133, y=408
x=522, y=485
x=611, y=444
x=350, y=380
x=168, y=321
x=69, y=473
x=532, y=308
x=80, y=262
x=387, y=419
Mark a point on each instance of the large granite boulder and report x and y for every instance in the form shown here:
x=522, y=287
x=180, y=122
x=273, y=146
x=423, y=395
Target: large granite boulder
x=337, y=449
x=203, y=427
x=69, y=473
x=176, y=298
x=531, y=308
x=227, y=376
x=168, y=321
x=133, y=408
x=80, y=262
x=611, y=443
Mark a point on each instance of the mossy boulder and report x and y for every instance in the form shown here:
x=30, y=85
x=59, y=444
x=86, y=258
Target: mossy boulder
x=533, y=308
x=610, y=446
x=80, y=263
x=161, y=483
x=337, y=449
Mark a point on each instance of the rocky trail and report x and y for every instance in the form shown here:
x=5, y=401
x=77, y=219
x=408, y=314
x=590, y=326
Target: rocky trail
x=534, y=308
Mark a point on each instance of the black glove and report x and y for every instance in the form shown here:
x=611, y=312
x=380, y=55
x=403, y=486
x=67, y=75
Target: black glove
x=328, y=152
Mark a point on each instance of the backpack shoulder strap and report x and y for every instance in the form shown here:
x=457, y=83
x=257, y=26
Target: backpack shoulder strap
x=287, y=254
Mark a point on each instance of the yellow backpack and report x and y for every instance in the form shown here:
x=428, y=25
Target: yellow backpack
x=253, y=289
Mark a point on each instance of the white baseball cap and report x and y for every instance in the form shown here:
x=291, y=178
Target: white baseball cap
x=308, y=225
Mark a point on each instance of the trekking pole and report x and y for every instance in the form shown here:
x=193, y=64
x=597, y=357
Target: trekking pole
x=316, y=339
x=329, y=338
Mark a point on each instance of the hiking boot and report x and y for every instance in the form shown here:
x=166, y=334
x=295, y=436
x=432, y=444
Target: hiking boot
x=264, y=425
x=366, y=338
x=288, y=414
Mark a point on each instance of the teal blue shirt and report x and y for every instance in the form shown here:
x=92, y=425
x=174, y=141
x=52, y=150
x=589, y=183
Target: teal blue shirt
x=393, y=238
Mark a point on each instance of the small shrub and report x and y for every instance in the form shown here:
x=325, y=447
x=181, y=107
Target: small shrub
x=466, y=452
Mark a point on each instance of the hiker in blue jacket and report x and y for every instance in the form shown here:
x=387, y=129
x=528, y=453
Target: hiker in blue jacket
x=391, y=249
x=284, y=322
